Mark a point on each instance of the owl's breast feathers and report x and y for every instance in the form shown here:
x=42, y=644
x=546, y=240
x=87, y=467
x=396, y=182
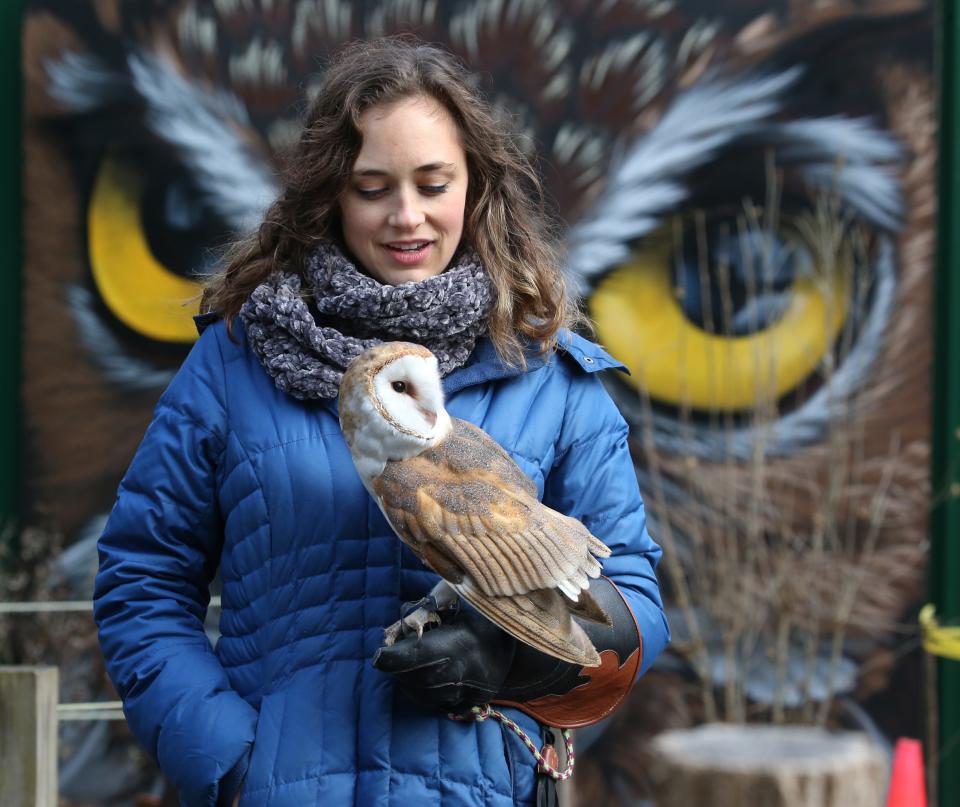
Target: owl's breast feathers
x=471, y=514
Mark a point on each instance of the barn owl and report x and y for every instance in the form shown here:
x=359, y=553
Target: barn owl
x=456, y=498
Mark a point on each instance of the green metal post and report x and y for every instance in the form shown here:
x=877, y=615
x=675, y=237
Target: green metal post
x=945, y=517
x=10, y=221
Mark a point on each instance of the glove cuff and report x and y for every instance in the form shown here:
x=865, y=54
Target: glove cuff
x=566, y=695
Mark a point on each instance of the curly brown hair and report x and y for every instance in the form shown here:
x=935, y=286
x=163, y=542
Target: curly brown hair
x=506, y=221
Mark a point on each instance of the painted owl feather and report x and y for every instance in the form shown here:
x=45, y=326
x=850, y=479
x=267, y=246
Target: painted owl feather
x=458, y=500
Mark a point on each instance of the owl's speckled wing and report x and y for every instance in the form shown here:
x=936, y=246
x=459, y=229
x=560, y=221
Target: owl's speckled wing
x=471, y=514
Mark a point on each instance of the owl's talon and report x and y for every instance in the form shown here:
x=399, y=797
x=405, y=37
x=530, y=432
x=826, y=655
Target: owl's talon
x=428, y=603
x=414, y=622
x=391, y=634
x=419, y=620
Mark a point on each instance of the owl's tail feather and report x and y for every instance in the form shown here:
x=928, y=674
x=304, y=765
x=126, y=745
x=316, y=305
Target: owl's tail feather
x=598, y=547
x=589, y=609
x=541, y=619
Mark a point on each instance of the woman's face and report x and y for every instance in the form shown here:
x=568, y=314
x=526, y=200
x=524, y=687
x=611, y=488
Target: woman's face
x=402, y=211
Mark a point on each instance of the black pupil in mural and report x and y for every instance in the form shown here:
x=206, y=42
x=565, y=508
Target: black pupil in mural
x=744, y=284
x=179, y=228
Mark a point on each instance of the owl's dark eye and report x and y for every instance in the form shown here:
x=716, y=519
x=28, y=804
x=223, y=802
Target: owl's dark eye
x=399, y=386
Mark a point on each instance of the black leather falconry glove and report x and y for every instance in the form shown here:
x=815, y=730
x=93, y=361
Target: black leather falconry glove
x=463, y=662
x=468, y=661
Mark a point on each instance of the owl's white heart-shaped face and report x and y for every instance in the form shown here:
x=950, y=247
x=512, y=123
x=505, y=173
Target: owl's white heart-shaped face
x=409, y=392
x=391, y=405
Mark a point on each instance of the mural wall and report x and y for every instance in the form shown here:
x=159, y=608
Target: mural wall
x=747, y=189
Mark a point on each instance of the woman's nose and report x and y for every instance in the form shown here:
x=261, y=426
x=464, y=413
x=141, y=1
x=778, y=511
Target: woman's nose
x=406, y=214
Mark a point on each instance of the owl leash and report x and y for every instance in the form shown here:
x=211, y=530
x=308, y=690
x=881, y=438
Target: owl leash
x=546, y=795
x=547, y=760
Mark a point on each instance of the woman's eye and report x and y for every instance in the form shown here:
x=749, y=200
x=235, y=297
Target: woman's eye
x=399, y=386
x=371, y=193
x=377, y=193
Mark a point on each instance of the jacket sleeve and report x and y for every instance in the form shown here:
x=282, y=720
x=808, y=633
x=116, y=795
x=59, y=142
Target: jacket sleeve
x=593, y=479
x=159, y=551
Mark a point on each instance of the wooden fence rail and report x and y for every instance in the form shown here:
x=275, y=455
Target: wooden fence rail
x=29, y=714
x=28, y=736
x=30, y=711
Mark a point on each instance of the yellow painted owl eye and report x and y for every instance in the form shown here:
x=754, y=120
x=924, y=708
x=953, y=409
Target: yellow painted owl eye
x=640, y=317
x=138, y=289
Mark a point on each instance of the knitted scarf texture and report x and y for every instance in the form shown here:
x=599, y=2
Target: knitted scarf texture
x=305, y=338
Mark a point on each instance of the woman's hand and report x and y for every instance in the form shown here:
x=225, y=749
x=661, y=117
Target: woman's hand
x=461, y=663
x=236, y=801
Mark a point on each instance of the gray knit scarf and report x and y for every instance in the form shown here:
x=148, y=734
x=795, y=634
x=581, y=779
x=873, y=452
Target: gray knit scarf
x=306, y=351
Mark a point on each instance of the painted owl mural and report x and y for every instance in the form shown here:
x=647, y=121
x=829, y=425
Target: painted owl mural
x=747, y=189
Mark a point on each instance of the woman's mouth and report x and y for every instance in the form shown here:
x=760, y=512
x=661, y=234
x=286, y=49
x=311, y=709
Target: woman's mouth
x=408, y=252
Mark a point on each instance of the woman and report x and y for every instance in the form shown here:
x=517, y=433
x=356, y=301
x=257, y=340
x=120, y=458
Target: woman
x=408, y=213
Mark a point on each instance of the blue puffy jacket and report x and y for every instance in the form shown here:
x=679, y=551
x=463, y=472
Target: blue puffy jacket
x=234, y=472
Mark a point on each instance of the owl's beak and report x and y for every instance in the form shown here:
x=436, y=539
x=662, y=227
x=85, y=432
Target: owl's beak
x=430, y=416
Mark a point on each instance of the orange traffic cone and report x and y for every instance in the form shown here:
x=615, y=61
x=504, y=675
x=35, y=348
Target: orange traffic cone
x=907, y=785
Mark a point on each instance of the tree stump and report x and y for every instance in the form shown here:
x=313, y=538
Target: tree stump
x=721, y=765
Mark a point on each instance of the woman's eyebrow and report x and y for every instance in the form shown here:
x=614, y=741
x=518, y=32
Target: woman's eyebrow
x=438, y=166
x=379, y=172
